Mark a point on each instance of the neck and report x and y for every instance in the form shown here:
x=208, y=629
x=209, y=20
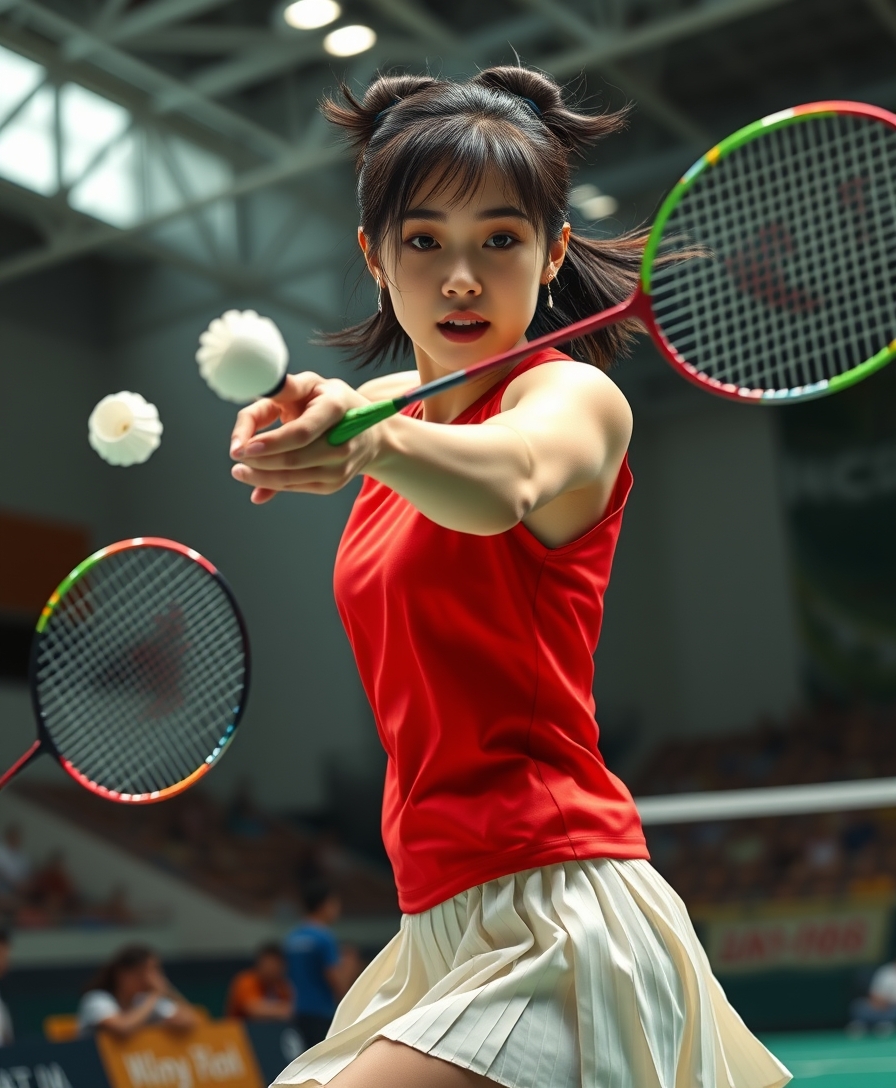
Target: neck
x=447, y=406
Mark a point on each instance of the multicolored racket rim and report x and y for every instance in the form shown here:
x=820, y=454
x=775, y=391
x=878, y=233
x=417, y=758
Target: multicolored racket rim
x=814, y=172
x=215, y=602
x=784, y=286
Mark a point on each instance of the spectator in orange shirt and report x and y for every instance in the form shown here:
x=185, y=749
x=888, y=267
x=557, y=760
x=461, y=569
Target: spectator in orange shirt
x=262, y=992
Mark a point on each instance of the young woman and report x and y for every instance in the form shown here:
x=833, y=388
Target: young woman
x=538, y=948
x=130, y=992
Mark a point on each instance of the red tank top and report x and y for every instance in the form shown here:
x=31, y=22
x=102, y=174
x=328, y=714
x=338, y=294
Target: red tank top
x=476, y=653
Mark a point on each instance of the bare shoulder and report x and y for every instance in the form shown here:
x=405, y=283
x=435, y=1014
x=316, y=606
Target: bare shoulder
x=570, y=385
x=387, y=386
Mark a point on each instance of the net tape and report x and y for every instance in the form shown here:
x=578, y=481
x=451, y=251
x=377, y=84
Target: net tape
x=767, y=801
x=141, y=670
x=799, y=284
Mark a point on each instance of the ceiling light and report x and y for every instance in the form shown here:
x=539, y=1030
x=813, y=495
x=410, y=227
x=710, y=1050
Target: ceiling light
x=349, y=40
x=599, y=207
x=311, y=14
x=592, y=203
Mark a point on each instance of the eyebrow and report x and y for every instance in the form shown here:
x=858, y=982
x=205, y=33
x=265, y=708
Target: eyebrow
x=506, y=212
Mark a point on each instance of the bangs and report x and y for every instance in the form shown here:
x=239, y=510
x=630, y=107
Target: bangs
x=455, y=155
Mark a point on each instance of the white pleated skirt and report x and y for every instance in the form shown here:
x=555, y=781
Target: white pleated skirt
x=576, y=975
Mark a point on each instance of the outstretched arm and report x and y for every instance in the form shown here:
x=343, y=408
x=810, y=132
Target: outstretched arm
x=564, y=426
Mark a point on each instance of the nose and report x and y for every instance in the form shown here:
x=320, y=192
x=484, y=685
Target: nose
x=461, y=282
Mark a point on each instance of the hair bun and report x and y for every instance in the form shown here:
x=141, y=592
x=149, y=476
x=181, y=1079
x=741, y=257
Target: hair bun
x=575, y=130
x=360, y=119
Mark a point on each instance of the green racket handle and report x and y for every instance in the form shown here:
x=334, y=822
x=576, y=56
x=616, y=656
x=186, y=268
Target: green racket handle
x=357, y=420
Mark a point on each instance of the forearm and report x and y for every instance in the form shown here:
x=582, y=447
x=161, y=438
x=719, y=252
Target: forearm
x=125, y=1023
x=476, y=480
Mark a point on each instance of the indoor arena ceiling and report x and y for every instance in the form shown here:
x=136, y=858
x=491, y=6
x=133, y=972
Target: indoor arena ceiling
x=187, y=130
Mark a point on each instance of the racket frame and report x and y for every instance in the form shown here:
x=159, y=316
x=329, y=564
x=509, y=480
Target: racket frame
x=44, y=743
x=643, y=309
x=639, y=304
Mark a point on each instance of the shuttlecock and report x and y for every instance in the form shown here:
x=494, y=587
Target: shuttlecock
x=242, y=356
x=124, y=429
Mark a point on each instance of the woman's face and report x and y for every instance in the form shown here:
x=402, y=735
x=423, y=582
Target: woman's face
x=464, y=273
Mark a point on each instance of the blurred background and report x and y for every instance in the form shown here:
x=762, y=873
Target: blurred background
x=162, y=161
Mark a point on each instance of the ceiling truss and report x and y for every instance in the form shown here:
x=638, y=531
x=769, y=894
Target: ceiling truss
x=182, y=69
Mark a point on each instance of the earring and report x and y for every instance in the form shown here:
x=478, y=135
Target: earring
x=379, y=297
x=550, y=298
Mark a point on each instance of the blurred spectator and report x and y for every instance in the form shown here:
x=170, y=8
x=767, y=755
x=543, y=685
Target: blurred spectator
x=878, y=1009
x=6, y=1032
x=130, y=992
x=318, y=971
x=263, y=991
x=15, y=865
x=52, y=890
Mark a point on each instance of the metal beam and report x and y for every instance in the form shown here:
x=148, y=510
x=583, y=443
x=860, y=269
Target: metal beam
x=300, y=161
x=422, y=23
x=158, y=14
x=71, y=224
x=655, y=34
x=150, y=80
x=202, y=40
x=651, y=101
x=251, y=67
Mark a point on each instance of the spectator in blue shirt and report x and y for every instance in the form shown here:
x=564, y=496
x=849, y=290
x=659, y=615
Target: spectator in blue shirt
x=315, y=964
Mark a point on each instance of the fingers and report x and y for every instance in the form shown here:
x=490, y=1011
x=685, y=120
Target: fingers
x=321, y=413
x=250, y=420
x=318, y=478
x=318, y=452
x=288, y=403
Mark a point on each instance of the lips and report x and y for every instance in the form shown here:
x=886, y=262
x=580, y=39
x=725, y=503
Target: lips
x=463, y=326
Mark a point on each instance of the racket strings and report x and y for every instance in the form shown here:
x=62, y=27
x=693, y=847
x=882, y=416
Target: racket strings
x=141, y=673
x=150, y=749
x=83, y=746
x=800, y=282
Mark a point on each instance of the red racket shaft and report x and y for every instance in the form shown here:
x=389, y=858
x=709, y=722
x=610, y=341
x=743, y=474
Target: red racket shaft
x=357, y=420
x=20, y=764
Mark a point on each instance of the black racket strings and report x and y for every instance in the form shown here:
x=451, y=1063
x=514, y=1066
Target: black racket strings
x=167, y=761
x=133, y=704
x=801, y=285
x=105, y=679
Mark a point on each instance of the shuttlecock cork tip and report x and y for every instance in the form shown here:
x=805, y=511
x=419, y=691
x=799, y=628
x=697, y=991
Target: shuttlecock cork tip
x=124, y=429
x=242, y=356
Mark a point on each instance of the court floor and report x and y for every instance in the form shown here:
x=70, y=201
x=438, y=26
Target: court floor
x=831, y=1060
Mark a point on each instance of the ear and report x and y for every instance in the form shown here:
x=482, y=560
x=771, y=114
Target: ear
x=373, y=264
x=556, y=254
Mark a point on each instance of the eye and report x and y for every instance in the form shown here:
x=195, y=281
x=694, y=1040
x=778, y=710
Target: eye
x=422, y=241
x=501, y=241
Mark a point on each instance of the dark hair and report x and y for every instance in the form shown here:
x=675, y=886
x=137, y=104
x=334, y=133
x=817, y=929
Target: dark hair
x=269, y=948
x=413, y=130
x=130, y=957
x=315, y=892
x=5, y=933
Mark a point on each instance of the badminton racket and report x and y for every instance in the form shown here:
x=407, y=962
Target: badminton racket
x=793, y=293
x=139, y=671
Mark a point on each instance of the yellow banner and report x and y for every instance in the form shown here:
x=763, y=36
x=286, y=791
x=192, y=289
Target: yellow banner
x=213, y=1055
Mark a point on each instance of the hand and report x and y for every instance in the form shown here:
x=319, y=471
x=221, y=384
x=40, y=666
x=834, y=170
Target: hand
x=296, y=456
x=155, y=980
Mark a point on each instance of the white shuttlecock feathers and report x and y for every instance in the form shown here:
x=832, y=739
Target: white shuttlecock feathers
x=124, y=429
x=242, y=356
